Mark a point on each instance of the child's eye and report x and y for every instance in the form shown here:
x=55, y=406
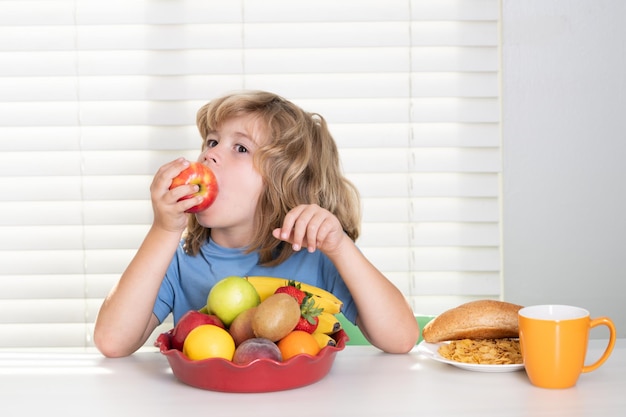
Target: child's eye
x=240, y=148
x=211, y=143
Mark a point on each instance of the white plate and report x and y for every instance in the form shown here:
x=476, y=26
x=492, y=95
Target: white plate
x=431, y=350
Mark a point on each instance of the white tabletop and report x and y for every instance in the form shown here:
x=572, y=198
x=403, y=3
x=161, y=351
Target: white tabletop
x=362, y=382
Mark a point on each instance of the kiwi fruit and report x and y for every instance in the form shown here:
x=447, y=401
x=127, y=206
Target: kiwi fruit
x=241, y=328
x=276, y=317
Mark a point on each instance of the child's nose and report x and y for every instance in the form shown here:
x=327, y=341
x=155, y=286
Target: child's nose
x=210, y=156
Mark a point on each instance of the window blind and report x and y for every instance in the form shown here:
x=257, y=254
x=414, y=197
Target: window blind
x=95, y=96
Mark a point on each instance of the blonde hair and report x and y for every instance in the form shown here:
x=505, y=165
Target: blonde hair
x=299, y=164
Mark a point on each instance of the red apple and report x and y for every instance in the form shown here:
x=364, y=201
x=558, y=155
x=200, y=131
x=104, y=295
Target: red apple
x=200, y=175
x=189, y=321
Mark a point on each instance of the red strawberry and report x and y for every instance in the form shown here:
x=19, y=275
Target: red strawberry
x=307, y=325
x=293, y=289
x=308, y=315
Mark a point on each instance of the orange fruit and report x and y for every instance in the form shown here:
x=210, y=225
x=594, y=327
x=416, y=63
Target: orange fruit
x=209, y=341
x=296, y=343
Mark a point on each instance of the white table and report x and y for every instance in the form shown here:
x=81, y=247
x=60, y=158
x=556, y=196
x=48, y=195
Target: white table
x=362, y=382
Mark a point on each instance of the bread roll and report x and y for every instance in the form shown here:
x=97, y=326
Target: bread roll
x=482, y=319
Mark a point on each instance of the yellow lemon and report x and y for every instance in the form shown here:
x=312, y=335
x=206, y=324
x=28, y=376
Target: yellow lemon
x=209, y=341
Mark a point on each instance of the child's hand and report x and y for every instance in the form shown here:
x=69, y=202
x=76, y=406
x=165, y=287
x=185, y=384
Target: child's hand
x=169, y=213
x=312, y=227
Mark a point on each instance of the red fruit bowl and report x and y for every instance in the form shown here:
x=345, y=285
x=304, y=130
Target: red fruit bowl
x=261, y=375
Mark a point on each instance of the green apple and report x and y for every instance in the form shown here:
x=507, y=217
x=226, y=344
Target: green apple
x=231, y=296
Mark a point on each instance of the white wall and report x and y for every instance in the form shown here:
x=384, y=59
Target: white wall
x=564, y=154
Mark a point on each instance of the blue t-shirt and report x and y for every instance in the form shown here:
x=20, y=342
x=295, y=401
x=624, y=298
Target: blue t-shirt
x=189, y=279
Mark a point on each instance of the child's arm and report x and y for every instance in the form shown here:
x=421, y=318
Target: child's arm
x=125, y=320
x=384, y=317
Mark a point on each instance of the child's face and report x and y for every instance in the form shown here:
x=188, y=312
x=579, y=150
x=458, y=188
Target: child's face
x=229, y=152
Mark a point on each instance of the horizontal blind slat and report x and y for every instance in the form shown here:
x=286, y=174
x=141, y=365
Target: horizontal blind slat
x=441, y=109
x=185, y=138
x=422, y=160
x=193, y=87
x=70, y=310
x=139, y=212
x=65, y=237
x=385, y=185
x=33, y=262
x=107, y=212
x=431, y=305
x=308, y=11
x=424, y=234
x=41, y=286
x=439, y=283
x=59, y=188
x=431, y=209
x=456, y=258
x=55, y=286
x=450, y=33
x=220, y=62
x=211, y=11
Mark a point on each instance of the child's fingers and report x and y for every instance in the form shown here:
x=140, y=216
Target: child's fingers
x=289, y=226
x=305, y=227
x=183, y=190
x=313, y=229
x=295, y=244
x=167, y=172
x=324, y=231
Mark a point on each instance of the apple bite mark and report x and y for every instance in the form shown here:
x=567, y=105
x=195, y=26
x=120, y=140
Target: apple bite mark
x=200, y=175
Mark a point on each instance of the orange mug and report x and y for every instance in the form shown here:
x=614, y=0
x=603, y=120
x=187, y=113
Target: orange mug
x=553, y=341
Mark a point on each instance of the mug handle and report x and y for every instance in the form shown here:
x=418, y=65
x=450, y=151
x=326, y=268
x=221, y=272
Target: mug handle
x=607, y=352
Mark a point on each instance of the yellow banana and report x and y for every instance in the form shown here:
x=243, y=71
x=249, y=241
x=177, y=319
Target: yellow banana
x=320, y=292
x=324, y=340
x=328, y=324
x=329, y=306
x=266, y=286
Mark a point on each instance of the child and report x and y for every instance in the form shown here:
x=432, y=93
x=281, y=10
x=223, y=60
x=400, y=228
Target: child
x=283, y=209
